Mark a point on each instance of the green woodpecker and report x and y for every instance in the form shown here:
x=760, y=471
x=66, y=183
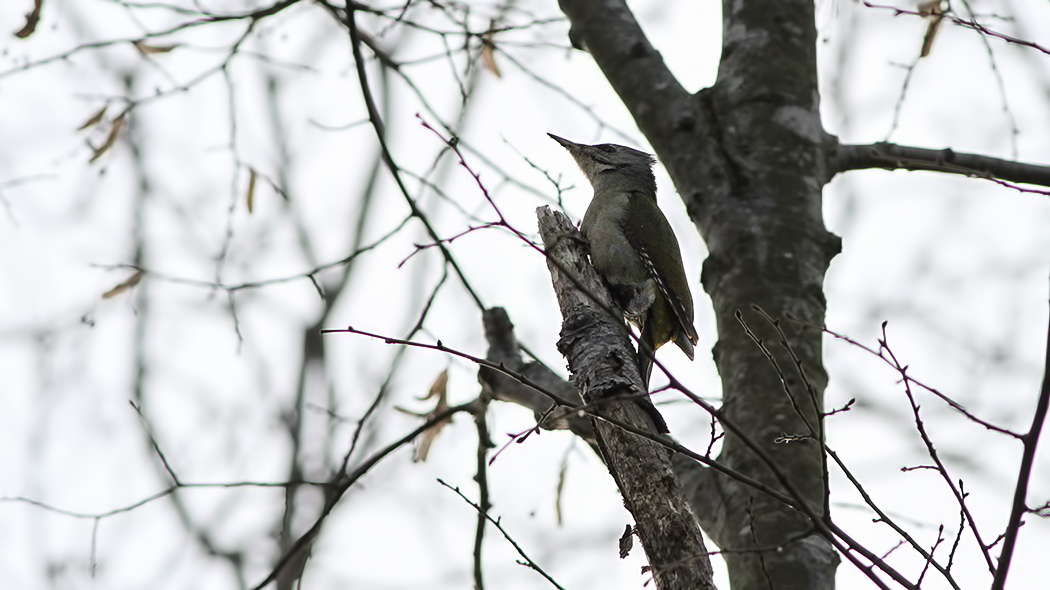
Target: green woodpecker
x=634, y=248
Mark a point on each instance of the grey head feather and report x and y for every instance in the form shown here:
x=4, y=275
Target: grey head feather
x=609, y=164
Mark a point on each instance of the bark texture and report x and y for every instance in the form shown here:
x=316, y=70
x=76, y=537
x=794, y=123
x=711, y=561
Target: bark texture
x=602, y=361
x=505, y=350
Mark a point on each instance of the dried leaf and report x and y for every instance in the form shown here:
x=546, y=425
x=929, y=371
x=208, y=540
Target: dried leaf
x=934, y=11
x=146, y=49
x=930, y=8
x=489, y=59
x=32, y=19
x=561, y=488
x=488, y=50
x=931, y=32
x=111, y=139
x=439, y=390
x=128, y=284
x=94, y=120
x=250, y=197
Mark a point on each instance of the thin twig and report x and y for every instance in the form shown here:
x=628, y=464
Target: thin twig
x=484, y=513
x=909, y=379
x=342, y=481
x=1031, y=439
x=377, y=124
x=827, y=450
x=482, y=477
x=965, y=23
x=156, y=446
x=931, y=450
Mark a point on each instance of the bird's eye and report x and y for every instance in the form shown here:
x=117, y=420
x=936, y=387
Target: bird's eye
x=607, y=148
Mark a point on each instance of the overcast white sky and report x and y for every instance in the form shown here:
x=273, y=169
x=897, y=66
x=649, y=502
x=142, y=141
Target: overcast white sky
x=958, y=267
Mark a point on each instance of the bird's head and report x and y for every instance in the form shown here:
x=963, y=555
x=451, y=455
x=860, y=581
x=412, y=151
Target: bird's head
x=607, y=159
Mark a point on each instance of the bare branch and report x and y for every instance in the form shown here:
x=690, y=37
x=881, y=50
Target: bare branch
x=890, y=156
x=342, y=481
x=484, y=514
x=970, y=23
x=828, y=451
x=377, y=124
x=482, y=477
x=931, y=450
x=881, y=354
x=1031, y=439
x=636, y=71
x=505, y=351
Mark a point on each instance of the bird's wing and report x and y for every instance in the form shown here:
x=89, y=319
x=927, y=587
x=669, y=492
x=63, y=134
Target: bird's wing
x=667, y=271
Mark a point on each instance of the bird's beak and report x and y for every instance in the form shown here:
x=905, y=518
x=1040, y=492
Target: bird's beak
x=565, y=143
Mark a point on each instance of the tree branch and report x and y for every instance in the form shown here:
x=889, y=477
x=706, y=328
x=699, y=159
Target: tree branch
x=377, y=124
x=505, y=351
x=482, y=477
x=890, y=156
x=970, y=23
x=343, y=480
x=1031, y=439
x=637, y=72
x=602, y=362
x=495, y=521
x=700, y=483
